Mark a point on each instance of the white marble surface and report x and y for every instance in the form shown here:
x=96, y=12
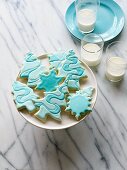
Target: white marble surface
x=99, y=142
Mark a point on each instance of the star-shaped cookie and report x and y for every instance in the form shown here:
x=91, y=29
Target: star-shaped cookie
x=49, y=82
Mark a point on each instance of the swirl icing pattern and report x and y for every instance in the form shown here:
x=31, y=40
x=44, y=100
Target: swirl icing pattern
x=23, y=96
x=51, y=103
x=72, y=70
x=57, y=59
x=32, y=68
x=64, y=73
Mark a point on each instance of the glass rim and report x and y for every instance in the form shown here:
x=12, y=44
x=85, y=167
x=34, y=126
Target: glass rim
x=108, y=58
x=118, y=64
x=102, y=41
x=97, y=2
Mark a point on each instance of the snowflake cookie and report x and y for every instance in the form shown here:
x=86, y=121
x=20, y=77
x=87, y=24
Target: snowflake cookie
x=48, y=82
x=80, y=102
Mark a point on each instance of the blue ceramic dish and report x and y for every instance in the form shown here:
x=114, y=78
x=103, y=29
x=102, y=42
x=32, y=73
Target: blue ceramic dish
x=110, y=20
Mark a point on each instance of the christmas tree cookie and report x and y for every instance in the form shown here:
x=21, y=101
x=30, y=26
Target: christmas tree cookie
x=51, y=103
x=32, y=68
x=24, y=96
x=72, y=70
x=56, y=59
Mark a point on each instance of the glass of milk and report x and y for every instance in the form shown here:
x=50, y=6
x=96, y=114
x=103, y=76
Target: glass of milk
x=91, y=49
x=86, y=11
x=116, y=62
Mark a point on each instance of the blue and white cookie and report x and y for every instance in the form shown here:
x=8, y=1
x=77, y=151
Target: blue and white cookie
x=56, y=59
x=80, y=102
x=65, y=73
x=51, y=103
x=49, y=82
x=32, y=68
x=72, y=70
x=23, y=96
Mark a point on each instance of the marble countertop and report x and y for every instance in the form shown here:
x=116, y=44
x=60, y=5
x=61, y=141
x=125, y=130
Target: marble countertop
x=99, y=142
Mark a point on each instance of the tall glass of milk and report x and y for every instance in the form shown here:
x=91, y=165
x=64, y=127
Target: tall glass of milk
x=86, y=12
x=116, y=62
x=91, y=49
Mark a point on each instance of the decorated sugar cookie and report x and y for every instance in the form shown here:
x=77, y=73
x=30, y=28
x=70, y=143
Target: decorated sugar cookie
x=32, y=68
x=80, y=102
x=56, y=59
x=23, y=96
x=87, y=91
x=72, y=70
x=51, y=103
x=64, y=72
x=49, y=82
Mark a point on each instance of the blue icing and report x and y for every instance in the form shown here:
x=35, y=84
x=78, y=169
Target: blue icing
x=49, y=82
x=50, y=104
x=30, y=63
x=72, y=70
x=87, y=91
x=34, y=77
x=23, y=96
x=31, y=69
x=30, y=57
x=56, y=59
x=79, y=103
x=47, y=108
x=69, y=69
x=74, y=84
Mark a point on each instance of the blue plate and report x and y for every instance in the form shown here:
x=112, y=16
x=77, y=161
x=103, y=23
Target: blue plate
x=110, y=20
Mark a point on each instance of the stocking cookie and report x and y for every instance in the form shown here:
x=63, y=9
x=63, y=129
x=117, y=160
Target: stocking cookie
x=51, y=103
x=23, y=96
x=32, y=68
x=80, y=102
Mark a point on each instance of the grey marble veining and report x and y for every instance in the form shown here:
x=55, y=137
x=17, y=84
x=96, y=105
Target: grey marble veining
x=99, y=142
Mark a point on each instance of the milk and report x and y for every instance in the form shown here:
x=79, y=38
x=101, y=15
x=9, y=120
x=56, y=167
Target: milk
x=115, y=69
x=86, y=20
x=91, y=54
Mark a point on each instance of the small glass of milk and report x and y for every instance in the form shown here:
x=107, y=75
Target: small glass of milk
x=91, y=49
x=86, y=11
x=116, y=63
